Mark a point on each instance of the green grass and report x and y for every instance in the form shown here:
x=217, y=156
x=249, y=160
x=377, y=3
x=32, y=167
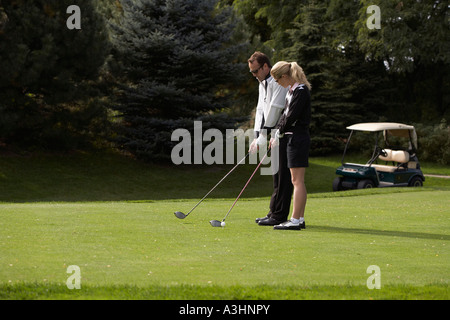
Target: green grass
x=129, y=245
x=108, y=177
x=190, y=292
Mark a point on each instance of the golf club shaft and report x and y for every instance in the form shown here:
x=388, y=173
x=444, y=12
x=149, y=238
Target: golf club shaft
x=247, y=183
x=219, y=183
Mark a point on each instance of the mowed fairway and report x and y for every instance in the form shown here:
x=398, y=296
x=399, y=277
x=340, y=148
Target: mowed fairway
x=141, y=250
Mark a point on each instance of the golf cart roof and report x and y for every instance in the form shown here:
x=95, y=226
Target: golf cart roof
x=392, y=128
x=380, y=126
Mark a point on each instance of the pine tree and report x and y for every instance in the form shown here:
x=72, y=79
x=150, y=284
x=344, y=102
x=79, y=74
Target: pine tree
x=303, y=31
x=413, y=41
x=309, y=47
x=177, y=63
x=48, y=73
x=346, y=86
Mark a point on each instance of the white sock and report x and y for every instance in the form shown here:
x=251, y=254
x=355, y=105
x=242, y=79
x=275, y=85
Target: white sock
x=298, y=221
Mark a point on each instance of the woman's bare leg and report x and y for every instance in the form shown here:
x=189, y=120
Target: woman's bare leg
x=300, y=194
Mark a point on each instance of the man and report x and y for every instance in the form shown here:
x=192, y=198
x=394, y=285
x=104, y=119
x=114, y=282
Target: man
x=271, y=102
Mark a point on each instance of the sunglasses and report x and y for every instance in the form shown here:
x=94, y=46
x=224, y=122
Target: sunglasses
x=256, y=71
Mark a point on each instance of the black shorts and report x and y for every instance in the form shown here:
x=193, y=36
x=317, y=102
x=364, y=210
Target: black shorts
x=298, y=150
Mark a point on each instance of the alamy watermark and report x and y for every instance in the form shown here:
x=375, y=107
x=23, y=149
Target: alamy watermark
x=74, y=20
x=374, y=281
x=228, y=148
x=74, y=281
x=374, y=21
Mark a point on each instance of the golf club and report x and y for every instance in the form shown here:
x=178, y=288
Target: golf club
x=181, y=215
x=217, y=223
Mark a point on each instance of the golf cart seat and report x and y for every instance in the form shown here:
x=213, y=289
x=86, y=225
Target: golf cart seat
x=399, y=156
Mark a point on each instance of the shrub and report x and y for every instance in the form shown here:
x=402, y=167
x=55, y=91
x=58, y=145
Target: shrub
x=434, y=142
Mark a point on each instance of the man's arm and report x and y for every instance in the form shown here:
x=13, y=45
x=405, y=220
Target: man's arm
x=277, y=105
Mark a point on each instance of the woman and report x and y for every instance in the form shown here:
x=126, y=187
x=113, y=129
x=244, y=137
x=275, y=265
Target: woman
x=294, y=126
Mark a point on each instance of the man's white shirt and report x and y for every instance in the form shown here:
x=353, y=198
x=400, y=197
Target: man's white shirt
x=271, y=102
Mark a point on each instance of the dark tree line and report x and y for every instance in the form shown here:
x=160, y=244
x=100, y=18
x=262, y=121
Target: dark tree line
x=399, y=72
x=139, y=69
x=49, y=89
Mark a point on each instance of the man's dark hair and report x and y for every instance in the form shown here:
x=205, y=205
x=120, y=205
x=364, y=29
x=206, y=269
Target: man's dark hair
x=261, y=58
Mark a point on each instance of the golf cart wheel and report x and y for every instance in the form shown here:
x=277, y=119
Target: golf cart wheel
x=337, y=184
x=416, y=182
x=365, y=184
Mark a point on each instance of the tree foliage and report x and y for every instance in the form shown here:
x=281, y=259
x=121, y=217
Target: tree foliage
x=158, y=65
x=49, y=73
x=177, y=62
x=397, y=73
x=414, y=32
x=414, y=44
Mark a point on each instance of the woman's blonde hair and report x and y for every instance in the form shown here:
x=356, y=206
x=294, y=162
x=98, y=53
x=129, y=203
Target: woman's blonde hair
x=292, y=69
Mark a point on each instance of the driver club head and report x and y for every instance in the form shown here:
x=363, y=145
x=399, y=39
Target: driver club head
x=180, y=215
x=215, y=223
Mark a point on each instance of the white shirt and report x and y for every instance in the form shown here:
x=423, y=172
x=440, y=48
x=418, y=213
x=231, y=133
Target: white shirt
x=271, y=101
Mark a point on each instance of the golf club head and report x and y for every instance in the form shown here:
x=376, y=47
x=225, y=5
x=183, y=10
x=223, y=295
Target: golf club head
x=180, y=215
x=215, y=223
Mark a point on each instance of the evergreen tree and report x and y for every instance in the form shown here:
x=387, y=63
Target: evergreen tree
x=358, y=87
x=319, y=35
x=324, y=64
x=48, y=73
x=397, y=73
x=177, y=62
x=413, y=41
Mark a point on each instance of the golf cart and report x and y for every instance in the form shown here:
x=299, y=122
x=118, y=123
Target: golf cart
x=401, y=166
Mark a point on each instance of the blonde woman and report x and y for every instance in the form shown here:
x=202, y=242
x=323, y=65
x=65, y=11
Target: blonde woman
x=294, y=127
